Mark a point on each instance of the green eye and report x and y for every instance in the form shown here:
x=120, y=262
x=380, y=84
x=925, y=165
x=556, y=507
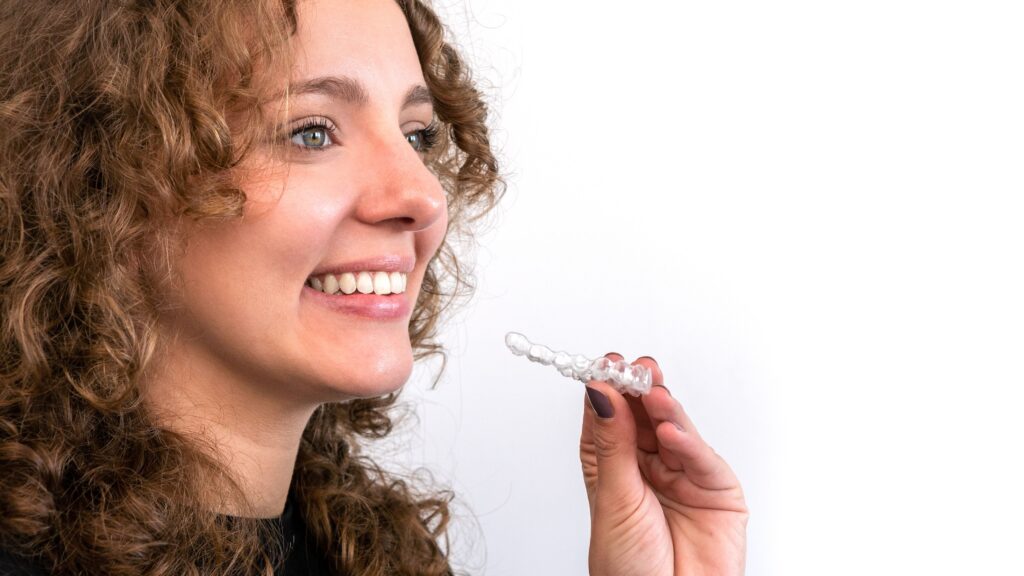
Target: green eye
x=424, y=139
x=312, y=137
x=314, y=132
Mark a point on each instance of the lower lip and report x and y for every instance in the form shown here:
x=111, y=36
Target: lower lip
x=372, y=306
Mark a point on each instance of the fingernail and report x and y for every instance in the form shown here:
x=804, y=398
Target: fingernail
x=600, y=403
x=651, y=358
x=614, y=354
x=665, y=388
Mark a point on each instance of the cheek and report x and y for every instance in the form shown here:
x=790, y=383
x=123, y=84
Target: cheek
x=293, y=222
x=249, y=271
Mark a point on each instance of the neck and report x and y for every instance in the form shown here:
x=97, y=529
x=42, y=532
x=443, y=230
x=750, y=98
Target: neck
x=253, y=432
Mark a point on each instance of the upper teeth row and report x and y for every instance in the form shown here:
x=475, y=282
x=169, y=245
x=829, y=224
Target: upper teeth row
x=362, y=282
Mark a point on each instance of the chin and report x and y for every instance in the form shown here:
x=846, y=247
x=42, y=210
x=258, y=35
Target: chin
x=381, y=373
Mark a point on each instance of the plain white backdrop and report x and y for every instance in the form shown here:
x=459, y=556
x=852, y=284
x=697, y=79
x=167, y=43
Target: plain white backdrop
x=810, y=213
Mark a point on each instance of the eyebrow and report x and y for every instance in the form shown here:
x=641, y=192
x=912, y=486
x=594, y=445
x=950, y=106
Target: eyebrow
x=353, y=91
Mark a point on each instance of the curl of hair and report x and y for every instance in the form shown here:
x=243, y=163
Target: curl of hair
x=115, y=120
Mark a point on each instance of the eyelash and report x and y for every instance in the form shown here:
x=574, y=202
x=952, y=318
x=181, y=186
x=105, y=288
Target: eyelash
x=315, y=122
x=428, y=134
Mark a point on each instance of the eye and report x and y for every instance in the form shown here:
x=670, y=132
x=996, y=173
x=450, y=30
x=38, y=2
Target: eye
x=424, y=139
x=313, y=134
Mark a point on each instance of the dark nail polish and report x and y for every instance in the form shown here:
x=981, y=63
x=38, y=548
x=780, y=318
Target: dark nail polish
x=600, y=403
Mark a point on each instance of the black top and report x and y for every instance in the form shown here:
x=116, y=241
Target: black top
x=17, y=566
x=302, y=558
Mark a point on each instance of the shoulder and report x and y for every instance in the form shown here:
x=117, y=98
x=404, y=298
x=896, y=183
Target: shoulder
x=11, y=565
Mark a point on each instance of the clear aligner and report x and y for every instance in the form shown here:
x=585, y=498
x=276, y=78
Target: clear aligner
x=624, y=377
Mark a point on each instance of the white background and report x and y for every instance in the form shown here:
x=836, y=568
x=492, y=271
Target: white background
x=810, y=213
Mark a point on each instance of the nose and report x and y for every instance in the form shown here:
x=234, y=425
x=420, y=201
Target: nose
x=399, y=190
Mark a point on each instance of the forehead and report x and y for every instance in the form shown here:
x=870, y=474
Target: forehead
x=367, y=40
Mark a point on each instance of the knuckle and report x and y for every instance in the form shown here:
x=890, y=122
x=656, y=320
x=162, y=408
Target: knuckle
x=606, y=448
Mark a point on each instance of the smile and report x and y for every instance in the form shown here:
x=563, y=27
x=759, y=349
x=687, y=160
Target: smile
x=380, y=283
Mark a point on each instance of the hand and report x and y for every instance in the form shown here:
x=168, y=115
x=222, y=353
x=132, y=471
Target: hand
x=662, y=502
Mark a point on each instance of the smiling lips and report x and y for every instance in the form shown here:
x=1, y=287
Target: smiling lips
x=379, y=283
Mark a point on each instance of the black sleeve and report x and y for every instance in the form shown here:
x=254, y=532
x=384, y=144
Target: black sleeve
x=17, y=566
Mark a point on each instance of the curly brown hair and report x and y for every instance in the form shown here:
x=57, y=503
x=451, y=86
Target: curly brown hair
x=115, y=120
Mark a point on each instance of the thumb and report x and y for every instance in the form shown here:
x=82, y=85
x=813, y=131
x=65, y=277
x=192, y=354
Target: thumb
x=613, y=431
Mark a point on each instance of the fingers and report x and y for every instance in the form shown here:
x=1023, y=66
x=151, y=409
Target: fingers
x=610, y=433
x=616, y=426
x=659, y=407
x=659, y=404
x=587, y=437
x=679, y=444
x=646, y=440
x=702, y=465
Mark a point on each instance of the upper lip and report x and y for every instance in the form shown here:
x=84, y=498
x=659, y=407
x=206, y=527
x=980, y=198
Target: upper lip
x=387, y=263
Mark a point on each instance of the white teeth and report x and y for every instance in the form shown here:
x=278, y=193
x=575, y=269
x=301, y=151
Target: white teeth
x=364, y=283
x=347, y=282
x=397, y=282
x=330, y=284
x=381, y=283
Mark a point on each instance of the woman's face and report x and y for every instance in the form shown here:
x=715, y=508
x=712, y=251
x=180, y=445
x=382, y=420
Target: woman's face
x=354, y=196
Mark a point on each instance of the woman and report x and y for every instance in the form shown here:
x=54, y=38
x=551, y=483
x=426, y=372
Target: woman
x=223, y=246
